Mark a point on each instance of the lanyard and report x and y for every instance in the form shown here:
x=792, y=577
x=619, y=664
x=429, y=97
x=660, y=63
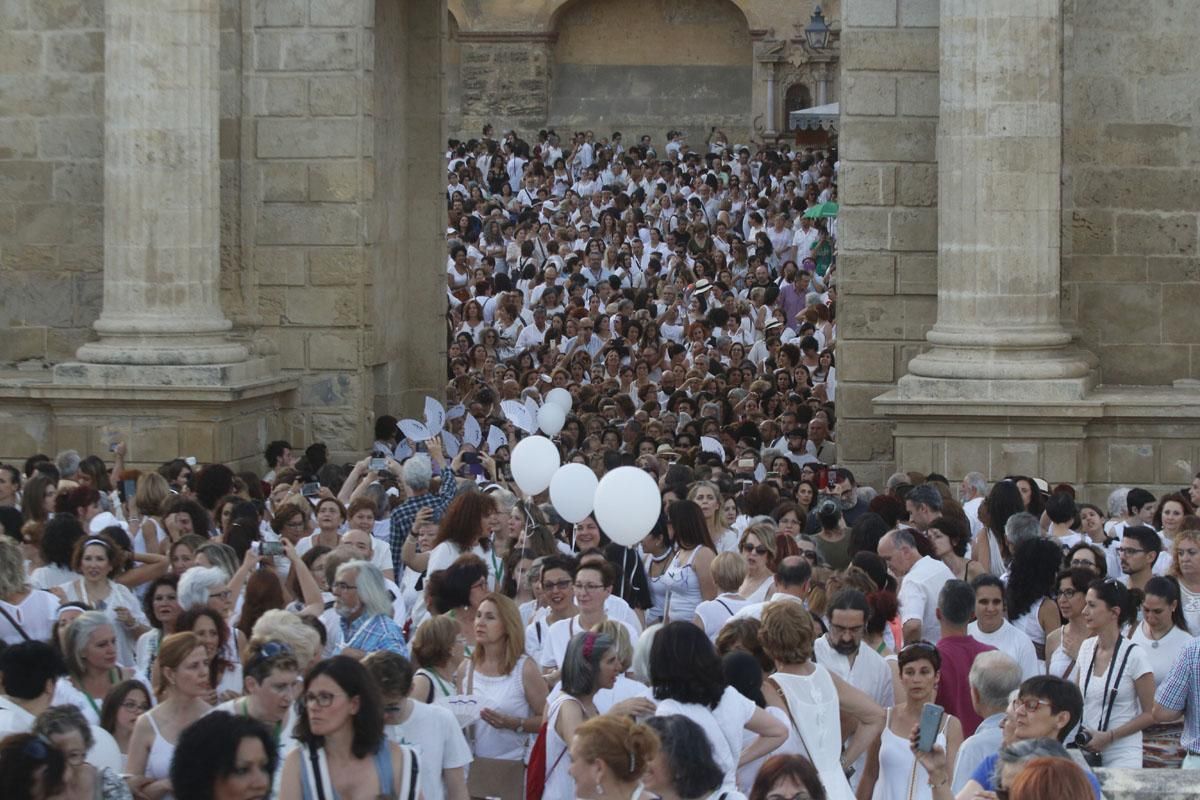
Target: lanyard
x=278, y=725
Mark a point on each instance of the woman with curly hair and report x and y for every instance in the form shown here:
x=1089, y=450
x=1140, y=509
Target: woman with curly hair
x=207, y=625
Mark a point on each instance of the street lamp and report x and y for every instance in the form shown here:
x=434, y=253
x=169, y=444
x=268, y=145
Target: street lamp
x=817, y=30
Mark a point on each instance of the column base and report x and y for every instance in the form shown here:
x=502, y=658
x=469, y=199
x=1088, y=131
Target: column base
x=167, y=351
x=1027, y=375
x=216, y=413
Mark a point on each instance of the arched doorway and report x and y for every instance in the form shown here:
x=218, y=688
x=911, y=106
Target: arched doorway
x=651, y=65
x=797, y=97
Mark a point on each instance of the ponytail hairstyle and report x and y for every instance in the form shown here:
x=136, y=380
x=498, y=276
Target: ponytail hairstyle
x=1166, y=588
x=1114, y=594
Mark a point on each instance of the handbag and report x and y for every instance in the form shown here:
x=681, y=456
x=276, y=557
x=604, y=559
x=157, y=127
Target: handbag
x=500, y=778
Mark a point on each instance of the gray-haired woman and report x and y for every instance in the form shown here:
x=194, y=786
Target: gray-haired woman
x=592, y=662
x=67, y=729
x=90, y=651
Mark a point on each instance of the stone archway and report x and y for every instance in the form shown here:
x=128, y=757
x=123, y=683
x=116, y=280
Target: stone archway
x=684, y=65
x=797, y=97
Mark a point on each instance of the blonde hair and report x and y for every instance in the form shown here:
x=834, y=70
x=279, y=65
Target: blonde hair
x=151, y=494
x=434, y=641
x=728, y=571
x=764, y=530
x=514, y=632
x=1188, y=534
x=12, y=568
x=786, y=633
x=626, y=747
x=621, y=643
x=278, y=625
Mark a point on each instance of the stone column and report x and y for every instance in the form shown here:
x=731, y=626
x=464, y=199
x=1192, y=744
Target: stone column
x=998, y=333
x=161, y=188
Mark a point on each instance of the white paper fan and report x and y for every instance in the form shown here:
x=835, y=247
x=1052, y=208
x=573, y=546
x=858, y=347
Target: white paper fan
x=496, y=439
x=450, y=444
x=518, y=415
x=455, y=412
x=710, y=445
x=472, y=434
x=760, y=472
x=435, y=415
x=416, y=431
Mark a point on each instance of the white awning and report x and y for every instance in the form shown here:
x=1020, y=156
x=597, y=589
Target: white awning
x=818, y=117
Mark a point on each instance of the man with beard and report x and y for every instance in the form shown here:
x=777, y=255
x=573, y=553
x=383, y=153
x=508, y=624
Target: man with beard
x=842, y=486
x=842, y=651
x=362, y=604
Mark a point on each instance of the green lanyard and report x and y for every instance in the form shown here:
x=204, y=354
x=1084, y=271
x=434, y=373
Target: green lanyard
x=278, y=725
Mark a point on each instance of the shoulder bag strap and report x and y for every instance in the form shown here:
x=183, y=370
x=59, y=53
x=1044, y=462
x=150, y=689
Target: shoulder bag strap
x=566, y=747
x=787, y=707
x=316, y=772
x=413, y=775
x=16, y=625
x=1111, y=696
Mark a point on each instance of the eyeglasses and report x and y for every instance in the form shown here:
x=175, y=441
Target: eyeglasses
x=1030, y=704
x=320, y=699
x=1128, y=551
x=1066, y=594
x=224, y=594
x=134, y=705
x=1083, y=562
x=342, y=586
x=749, y=548
x=797, y=796
x=556, y=586
x=588, y=587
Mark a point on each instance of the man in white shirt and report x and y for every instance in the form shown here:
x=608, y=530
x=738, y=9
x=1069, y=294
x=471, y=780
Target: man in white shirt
x=843, y=652
x=990, y=626
x=993, y=678
x=792, y=584
x=922, y=580
x=532, y=336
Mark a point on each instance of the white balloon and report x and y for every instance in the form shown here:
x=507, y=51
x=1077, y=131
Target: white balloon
x=560, y=397
x=551, y=419
x=534, y=461
x=573, y=491
x=627, y=505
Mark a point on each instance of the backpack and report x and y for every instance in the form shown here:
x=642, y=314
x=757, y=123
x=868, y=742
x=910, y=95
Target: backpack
x=535, y=770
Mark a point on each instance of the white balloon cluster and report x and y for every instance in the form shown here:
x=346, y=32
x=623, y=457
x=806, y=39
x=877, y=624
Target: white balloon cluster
x=626, y=502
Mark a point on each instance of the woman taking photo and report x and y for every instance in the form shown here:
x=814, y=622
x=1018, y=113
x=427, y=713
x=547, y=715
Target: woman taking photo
x=757, y=547
x=1062, y=645
x=892, y=771
x=90, y=652
x=181, y=686
x=340, y=729
x=1115, y=677
x=511, y=691
x=124, y=705
x=687, y=679
x=331, y=515
x=98, y=560
x=65, y=728
x=688, y=578
x=814, y=699
x=609, y=755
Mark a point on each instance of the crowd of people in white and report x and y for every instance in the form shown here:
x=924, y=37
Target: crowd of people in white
x=414, y=625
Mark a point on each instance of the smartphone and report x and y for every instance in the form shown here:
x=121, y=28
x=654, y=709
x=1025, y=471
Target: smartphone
x=822, y=478
x=130, y=488
x=745, y=464
x=931, y=721
x=475, y=469
x=378, y=464
x=190, y=461
x=270, y=548
x=470, y=457
x=310, y=489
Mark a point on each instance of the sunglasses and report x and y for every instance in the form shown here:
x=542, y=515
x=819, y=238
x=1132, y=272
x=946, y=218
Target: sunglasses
x=749, y=548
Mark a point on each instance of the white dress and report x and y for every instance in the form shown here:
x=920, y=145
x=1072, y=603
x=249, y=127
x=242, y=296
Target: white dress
x=118, y=597
x=505, y=694
x=897, y=764
x=813, y=702
x=683, y=587
x=559, y=782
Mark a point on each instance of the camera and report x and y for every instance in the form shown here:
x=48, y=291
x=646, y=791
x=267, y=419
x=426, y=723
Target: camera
x=1080, y=741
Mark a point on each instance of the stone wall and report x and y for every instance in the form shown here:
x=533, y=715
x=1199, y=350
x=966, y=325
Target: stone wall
x=1131, y=187
x=505, y=81
x=887, y=263
x=51, y=175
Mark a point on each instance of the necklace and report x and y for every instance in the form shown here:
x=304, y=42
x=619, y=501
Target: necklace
x=1154, y=639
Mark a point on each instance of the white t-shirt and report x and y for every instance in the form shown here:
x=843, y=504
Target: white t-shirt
x=1008, y=639
x=434, y=734
x=723, y=725
x=1161, y=653
x=555, y=640
x=716, y=612
x=1126, y=751
x=919, y=595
